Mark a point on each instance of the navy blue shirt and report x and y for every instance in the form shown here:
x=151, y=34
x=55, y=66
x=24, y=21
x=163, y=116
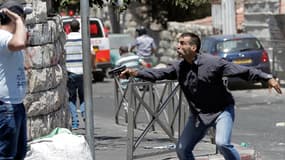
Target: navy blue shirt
x=202, y=81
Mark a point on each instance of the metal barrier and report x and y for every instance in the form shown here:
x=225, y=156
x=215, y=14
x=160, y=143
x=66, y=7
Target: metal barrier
x=163, y=105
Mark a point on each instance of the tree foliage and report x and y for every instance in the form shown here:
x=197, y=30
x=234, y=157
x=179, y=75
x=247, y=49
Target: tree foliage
x=123, y=4
x=161, y=10
x=186, y=3
x=178, y=10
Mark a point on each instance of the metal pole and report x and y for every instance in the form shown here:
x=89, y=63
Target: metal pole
x=87, y=72
x=130, y=134
x=229, y=17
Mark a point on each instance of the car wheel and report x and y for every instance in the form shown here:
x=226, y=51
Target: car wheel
x=106, y=71
x=98, y=76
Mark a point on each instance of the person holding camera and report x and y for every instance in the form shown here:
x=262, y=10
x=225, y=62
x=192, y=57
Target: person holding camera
x=200, y=77
x=13, y=129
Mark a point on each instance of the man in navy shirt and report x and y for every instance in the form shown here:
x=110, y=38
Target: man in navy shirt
x=211, y=103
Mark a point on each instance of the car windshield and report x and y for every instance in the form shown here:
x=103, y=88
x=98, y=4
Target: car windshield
x=238, y=45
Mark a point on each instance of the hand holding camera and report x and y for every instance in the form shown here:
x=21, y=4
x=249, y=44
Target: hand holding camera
x=7, y=14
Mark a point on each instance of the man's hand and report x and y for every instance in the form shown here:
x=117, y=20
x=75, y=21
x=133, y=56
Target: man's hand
x=128, y=73
x=273, y=83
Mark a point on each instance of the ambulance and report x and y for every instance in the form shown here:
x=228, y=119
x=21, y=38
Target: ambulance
x=99, y=42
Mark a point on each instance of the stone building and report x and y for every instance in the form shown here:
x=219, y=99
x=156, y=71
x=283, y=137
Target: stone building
x=265, y=19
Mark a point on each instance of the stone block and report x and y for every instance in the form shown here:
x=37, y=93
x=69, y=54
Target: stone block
x=166, y=35
x=43, y=33
x=43, y=56
x=39, y=14
x=44, y=103
x=43, y=124
x=40, y=80
x=269, y=6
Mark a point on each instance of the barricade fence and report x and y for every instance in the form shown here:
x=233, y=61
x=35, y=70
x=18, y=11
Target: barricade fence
x=148, y=107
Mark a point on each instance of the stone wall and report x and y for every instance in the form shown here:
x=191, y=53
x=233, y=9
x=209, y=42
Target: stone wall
x=168, y=38
x=46, y=100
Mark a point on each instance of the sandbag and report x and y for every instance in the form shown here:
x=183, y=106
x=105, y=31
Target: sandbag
x=60, y=144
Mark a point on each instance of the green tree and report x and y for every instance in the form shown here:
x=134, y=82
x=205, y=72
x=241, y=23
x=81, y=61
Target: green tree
x=122, y=4
x=161, y=10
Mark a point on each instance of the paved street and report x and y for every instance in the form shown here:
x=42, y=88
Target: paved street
x=257, y=113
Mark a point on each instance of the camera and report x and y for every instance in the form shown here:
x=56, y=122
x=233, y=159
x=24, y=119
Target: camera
x=3, y=17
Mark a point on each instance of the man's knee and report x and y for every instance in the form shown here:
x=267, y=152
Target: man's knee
x=222, y=144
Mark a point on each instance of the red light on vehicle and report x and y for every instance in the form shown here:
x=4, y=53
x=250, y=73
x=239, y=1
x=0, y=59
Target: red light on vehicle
x=264, y=57
x=93, y=29
x=215, y=53
x=71, y=13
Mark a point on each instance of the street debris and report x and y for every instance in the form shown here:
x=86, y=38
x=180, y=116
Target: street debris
x=169, y=146
x=280, y=124
x=244, y=144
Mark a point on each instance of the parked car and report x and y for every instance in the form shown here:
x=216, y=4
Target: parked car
x=243, y=49
x=99, y=42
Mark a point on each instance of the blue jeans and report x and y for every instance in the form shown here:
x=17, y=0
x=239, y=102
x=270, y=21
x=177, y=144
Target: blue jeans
x=75, y=89
x=74, y=116
x=13, y=132
x=193, y=133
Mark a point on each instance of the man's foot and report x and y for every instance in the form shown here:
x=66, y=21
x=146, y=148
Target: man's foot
x=75, y=126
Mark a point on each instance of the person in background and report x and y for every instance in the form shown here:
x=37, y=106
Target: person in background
x=13, y=118
x=130, y=60
x=74, y=64
x=107, y=29
x=144, y=45
x=200, y=77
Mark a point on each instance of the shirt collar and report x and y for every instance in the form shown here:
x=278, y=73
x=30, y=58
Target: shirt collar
x=196, y=59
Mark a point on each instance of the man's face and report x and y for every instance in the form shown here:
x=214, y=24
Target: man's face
x=185, y=48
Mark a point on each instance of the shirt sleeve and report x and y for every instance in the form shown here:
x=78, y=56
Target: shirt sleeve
x=247, y=73
x=158, y=74
x=4, y=40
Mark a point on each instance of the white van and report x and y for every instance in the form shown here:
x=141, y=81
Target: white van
x=98, y=41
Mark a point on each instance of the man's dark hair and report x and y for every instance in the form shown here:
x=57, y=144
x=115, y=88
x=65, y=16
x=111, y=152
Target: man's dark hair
x=194, y=39
x=74, y=25
x=141, y=30
x=124, y=49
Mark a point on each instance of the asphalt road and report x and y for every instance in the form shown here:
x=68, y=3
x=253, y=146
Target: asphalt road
x=260, y=122
x=259, y=114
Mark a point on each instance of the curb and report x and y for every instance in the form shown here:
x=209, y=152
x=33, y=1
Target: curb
x=245, y=154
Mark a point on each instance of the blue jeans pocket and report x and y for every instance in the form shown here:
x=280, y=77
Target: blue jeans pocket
x=7, y=121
